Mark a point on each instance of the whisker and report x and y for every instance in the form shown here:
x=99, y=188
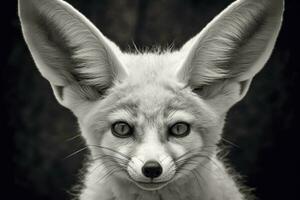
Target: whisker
x=112, y=171
x=107, y=148
x=197, y=179
x=203, y=148
x=122, y=163
x=230, y=142
x=72, y=138
x=191, y=155
x=76, y=152
x=110, y=156
x=191, y=160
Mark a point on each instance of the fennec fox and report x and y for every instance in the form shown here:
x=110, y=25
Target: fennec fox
x=152, y=120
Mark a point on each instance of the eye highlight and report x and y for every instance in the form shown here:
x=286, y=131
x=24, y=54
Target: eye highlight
x=121, y=129
x=180, y=129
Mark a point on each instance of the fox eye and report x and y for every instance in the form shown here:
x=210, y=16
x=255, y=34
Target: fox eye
x=180, y=129
x=121, y=129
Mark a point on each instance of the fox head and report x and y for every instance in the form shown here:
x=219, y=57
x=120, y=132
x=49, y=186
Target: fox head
x=150, y=117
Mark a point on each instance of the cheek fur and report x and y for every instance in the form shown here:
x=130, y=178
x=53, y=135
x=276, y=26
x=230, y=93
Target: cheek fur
x=175, y=149
x=179, y=146
x=124, y=146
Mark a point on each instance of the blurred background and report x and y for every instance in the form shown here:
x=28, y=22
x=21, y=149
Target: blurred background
x=41, y=133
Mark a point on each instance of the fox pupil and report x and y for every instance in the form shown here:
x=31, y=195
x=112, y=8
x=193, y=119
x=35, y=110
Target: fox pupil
x=180, y=129
x=121, y=129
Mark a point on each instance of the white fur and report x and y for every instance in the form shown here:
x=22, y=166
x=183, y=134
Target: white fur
x=151, y=91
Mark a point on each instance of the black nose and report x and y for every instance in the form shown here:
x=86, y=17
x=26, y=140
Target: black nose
x=152, y=169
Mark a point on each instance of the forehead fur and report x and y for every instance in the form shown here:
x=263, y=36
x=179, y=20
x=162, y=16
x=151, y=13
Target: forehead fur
x=152, y=97
x=151, y=89
x=152, y=67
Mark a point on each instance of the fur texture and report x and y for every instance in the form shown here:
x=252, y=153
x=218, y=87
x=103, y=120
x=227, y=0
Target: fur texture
x=171, y=104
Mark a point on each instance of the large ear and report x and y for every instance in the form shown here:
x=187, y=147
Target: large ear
x=223, y=58
x=69, y=51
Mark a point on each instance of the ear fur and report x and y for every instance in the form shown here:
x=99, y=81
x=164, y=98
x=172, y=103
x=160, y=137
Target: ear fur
x=224, y=57
x=69, y=51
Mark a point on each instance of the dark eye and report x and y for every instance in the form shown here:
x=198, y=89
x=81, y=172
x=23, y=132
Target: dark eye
x=180, y=129
x=121, y=129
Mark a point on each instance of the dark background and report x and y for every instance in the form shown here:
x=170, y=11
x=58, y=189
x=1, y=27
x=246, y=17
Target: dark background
x=36, y=130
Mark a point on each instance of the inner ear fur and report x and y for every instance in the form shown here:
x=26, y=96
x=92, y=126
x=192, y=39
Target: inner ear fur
x=70, y=52
x=225, y=56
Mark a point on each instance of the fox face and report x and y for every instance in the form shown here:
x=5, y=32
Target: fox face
x=153, y=136
x=150, y=117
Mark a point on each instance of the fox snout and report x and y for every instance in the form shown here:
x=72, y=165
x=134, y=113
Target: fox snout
x=152, y=169
x=151, y=165
x=151, y=174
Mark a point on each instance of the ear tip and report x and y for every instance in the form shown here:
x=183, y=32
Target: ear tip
x=272, y=5
x=25, y=7
x=277, y=4
x=270, y=10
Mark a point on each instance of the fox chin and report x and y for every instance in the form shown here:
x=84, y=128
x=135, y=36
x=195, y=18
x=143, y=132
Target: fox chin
x=152, y=120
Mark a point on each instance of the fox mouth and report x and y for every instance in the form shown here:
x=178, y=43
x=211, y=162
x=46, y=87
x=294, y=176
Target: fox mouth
x=151, y=185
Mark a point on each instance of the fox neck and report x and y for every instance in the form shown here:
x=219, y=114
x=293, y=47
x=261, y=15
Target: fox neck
x=209, y=181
